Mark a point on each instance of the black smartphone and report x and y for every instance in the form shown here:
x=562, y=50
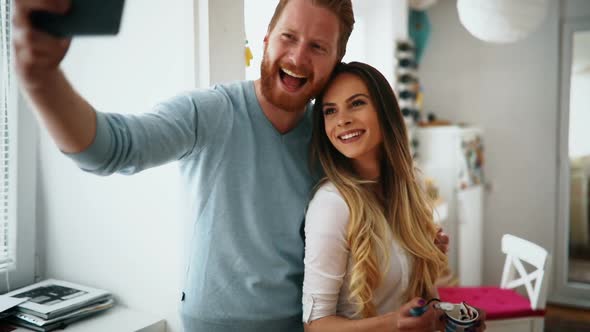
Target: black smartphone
x=85, y=17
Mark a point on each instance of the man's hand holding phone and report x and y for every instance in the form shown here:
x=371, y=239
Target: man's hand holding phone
x=42, y=37
x=43, y=28
x=38, y=54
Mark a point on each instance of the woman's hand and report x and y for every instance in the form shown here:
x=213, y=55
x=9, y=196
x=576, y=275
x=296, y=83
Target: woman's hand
x=429, y=320
x=480, y=325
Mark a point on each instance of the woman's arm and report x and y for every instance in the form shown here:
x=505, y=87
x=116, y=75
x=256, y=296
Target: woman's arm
x=326, y=260
x=326, y=253
x=396, y=321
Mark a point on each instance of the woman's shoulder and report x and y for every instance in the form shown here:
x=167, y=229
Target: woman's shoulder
x=328, y=193
x=328, y=204
x=328, y=187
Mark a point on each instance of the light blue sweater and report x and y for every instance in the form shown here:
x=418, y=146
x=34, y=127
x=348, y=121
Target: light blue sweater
x=248, y=185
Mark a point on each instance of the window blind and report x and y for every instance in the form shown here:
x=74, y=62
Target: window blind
x=7, y=141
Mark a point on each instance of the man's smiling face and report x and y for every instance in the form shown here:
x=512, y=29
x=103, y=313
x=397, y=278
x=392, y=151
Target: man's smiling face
x=299, y=54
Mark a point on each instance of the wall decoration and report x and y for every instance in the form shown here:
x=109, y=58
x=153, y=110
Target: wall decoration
x=419, y=31
x=248, y=54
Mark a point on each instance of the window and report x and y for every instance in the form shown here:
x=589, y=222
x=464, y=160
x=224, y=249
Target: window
x=7, y=143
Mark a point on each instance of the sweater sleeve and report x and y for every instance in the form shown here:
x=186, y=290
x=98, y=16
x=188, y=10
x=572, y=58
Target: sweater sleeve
x=130, y=143
x=326, y=253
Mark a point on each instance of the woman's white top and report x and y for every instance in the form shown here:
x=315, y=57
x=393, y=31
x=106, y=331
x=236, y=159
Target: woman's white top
x=328, y=262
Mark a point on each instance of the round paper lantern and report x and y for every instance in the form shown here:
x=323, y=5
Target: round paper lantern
x=421, y=4
x=501, y=21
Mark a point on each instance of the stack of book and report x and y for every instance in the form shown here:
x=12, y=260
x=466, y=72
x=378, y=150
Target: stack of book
x=54, y=304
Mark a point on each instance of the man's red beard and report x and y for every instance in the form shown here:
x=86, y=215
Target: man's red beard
x=269, y=73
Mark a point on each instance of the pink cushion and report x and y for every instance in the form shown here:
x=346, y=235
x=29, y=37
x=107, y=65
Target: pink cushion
x=498, y=303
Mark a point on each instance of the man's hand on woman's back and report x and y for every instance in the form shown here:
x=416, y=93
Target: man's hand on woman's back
x=442, y=241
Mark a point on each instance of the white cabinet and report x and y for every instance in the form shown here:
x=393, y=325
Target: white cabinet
x=443, y=154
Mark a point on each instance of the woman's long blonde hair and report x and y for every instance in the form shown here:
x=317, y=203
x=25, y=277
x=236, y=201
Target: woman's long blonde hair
x=402, y=211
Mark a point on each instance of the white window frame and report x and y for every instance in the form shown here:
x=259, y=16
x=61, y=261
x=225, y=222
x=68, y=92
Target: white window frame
x=22, y=189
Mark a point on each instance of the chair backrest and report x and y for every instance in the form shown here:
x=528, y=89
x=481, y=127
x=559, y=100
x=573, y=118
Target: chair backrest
x=536, y=282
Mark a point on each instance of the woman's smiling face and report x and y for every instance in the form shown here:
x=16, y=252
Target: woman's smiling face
x=351, y=120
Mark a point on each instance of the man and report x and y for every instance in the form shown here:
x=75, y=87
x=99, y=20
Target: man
x=242, y=148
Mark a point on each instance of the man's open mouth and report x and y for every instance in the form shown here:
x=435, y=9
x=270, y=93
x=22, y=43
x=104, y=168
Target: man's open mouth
x=291, y=80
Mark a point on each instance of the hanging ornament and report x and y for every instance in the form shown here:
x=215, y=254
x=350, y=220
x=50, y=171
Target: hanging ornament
x=419, y=31
x=248, y=55
x=501, y=21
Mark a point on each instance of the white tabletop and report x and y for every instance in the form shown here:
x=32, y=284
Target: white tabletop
x=116, y=319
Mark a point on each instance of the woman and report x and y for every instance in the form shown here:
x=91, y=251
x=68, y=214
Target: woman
x=370, y=254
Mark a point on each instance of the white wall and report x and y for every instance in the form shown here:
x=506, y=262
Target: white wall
x=511, y=92
x=121, y=233
x=380, y=23
x=226, y=38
